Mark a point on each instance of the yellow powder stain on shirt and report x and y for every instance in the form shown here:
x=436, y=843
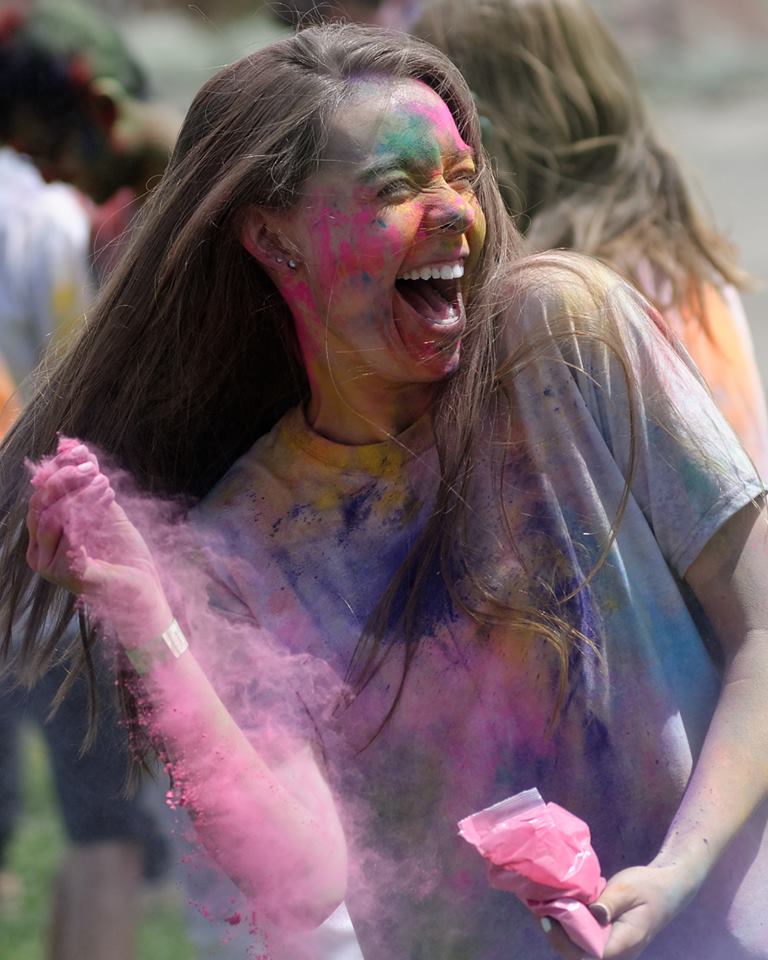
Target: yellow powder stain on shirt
x=327, y=499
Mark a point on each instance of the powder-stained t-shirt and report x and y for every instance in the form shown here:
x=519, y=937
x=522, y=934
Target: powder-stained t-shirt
x=311, y=531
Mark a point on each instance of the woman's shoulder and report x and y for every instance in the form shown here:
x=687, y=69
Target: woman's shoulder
x=562, y=276
x=563, y=294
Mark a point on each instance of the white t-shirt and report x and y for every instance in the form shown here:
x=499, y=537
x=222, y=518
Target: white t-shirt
x=45, y=278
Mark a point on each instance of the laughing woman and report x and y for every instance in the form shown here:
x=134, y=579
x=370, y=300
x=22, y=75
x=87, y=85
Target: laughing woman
x=484, y=489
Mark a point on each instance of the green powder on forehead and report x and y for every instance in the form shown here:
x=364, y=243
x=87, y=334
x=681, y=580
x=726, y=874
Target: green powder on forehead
x=408, y=136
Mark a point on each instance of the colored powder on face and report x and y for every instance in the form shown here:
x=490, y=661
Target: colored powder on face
x=412, y=139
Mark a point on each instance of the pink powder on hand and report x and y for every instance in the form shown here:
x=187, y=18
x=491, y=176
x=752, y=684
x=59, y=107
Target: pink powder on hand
x=543, y=854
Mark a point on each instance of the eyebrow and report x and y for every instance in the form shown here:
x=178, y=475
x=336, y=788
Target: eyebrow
x=379, y=167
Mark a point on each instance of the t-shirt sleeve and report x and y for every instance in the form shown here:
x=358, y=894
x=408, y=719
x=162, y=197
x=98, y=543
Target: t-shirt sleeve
x=605, y=377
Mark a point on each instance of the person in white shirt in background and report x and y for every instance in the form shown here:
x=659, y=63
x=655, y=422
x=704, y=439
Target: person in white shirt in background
x=71, y=108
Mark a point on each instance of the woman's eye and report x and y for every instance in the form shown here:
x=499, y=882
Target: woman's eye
x=393, y=189
x=463, y=180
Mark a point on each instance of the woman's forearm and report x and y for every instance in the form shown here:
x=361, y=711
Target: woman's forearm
x=730, y=779
x=283, y=846
x=286, y=851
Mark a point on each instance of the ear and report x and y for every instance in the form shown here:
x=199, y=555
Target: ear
x=261, y=237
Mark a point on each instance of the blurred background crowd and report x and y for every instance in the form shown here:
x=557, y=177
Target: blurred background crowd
x=703, y=64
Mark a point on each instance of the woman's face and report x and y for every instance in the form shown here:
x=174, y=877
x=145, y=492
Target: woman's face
x=382, y=237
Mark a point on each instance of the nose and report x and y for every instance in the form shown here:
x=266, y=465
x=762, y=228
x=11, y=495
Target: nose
x=451, y=212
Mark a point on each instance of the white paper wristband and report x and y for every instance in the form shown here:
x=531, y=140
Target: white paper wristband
x=174, y=639
x=171, y=640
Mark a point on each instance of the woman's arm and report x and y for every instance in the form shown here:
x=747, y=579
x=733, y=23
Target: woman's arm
x=730, y=779
x=609, y=375
x=272, y=827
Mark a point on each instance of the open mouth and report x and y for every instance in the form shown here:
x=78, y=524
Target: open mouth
x=432, y=296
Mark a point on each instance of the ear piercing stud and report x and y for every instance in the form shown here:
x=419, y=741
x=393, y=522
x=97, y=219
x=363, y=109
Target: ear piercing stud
x=292, y=264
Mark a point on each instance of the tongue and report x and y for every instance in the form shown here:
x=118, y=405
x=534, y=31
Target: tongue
x=425, y=300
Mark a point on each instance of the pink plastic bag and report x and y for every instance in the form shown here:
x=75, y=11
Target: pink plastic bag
x=543, y=855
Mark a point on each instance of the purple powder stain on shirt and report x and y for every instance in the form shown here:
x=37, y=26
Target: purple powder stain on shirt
x=356, y=509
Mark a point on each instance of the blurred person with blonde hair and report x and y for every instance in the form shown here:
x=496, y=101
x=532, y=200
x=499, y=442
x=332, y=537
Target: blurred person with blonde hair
x=581, y=167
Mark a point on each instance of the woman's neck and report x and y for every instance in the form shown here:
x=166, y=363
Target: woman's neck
x=369, y=416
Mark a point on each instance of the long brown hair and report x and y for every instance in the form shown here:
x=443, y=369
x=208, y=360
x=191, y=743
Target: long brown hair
x=189, y=355
x=578, y=161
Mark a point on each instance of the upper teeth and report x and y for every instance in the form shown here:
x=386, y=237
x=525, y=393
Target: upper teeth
x=445, y=271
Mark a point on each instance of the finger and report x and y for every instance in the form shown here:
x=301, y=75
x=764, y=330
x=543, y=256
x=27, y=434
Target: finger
x=65, y=480
x=33, y=513
x=32, y=551
x=88, y=571
x=50, y=529
x=53, y=553
x=90, y=495
x=613, y=906
x=559, y=940
x=67, y=452
x=63, y=483
x=74, y=455
x=63, y=516
x=626, y=941
x=66, y=444
x=601, y=912
x=618, y=896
